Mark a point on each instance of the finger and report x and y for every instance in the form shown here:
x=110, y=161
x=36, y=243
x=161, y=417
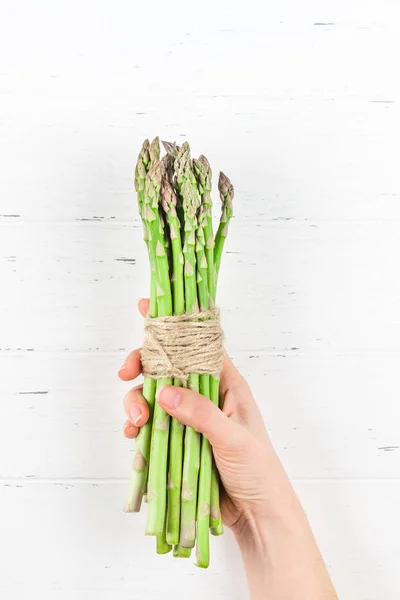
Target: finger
x=236, y=399
x=193, y=409
x=230, y=404
x=143, y=306
x=136, y=407
x=132, y=366
x=130, y=431
x=230, y=376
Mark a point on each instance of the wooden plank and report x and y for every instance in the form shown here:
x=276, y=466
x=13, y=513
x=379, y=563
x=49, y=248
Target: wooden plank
x=73, y=540
x=308, y=138
x=331, y=417
x=333, y=288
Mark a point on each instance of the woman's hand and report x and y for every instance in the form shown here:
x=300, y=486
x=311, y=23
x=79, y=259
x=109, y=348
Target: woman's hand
x=243, y=452
x=257, y=502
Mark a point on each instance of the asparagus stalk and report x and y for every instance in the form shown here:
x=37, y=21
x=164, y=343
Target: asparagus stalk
x=154, y=155
x=146, y=157
x=162, y=546
x=203, y=172
x=175, y=459
x=157, y=480
x=141, y=169
x=226, y=193
x=204, y=177
x=180, y=552
x=187, y=187
x=216, y=526
x=138, y=480
x=172, y=152
x=204, y=491
x=201, y=260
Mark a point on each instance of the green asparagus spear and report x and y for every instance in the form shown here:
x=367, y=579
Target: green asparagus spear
x=180, y=552
x=204, y=489
x=204, y=176
x=203, y=172
x=226, y=193
x=138, y=480
x=187, y=187
x=175, y=459
x=162, y=546
x=157, y=480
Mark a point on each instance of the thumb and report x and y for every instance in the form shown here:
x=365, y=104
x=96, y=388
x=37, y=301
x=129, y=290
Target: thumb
x=197, y=411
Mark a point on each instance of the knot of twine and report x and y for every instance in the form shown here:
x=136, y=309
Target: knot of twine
x=178, y=345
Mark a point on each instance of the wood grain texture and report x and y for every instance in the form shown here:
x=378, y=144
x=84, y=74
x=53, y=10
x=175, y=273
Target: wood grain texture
x=329, y=416
x=300, y=105
x=93, y=550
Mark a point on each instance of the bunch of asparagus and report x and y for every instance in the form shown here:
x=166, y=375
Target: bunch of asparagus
x=173, y=468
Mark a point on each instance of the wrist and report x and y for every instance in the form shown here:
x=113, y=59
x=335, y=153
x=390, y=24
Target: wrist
x=259, y=531
x=280, y=554
x=278, y=513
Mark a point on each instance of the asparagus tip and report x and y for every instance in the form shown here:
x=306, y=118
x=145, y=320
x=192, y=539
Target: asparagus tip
x=185, y=147
x=224, y=184
x=154, y=150
x=171, y=148
x=168, y=161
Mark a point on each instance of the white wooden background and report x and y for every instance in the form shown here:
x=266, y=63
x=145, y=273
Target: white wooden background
x=299, y=102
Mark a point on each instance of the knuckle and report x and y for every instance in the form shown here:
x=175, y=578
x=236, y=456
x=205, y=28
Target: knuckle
x=137, y=393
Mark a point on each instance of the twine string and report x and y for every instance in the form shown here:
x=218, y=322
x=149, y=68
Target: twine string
x=178, y=345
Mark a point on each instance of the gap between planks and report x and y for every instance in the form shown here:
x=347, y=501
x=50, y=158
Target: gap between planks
x=24, y=481
x=255, y=353
x=135, y=224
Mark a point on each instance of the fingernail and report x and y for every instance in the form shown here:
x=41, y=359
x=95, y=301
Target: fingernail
x=171, y=397
x=135, y=414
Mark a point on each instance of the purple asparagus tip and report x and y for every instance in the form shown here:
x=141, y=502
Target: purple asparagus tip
x=171, y=148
